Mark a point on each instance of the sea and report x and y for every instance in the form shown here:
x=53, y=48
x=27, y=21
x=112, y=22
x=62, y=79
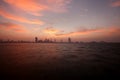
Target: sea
x=58, y=61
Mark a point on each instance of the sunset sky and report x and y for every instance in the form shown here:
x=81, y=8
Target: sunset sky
x=82, y=20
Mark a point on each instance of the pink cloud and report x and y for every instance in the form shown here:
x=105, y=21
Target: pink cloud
x=12, y=27
x=116, y=3
x=10, y=16
x=31, y=6
x=35, y=7
x=58, y=5
x=108, y=31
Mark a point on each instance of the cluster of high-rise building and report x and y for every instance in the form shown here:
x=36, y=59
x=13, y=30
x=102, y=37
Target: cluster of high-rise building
x=49, y=41
x=36, y=41
x=43, y=41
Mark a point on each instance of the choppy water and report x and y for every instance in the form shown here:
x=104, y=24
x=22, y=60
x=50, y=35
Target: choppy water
x=59, y=61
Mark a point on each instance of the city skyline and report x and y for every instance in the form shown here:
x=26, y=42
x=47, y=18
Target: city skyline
x=81, y=20
x=37, y=40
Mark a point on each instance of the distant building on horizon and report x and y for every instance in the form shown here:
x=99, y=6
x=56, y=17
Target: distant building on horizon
x=36, y=39
x=69, y=40
x=46, y=40
x=54, y=40
x=61, y=41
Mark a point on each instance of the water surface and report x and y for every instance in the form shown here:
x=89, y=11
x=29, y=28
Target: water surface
x=59, y=61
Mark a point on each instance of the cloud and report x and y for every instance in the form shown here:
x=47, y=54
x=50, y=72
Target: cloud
x=80, y=32
x=35, y=7
x=58, y=5
x=7, y=26
x=10, y=16
x=51, y=30
x=31, y=6
x=108, y=31
x=116, y=3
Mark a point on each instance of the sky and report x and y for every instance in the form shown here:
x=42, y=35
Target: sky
x=82, y=20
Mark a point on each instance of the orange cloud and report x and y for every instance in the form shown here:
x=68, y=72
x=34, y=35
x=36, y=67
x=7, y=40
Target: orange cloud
x=116, y=3
x=35, y=7
x=51, y=30
x=12, y=27
x=31, y=6
x=108, y=31
x=7, y=15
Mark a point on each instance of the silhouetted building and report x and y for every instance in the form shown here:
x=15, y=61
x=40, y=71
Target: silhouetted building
x=61, y=41
x=54, y=40
x=69, y=40
x=40, y=41
x=36, y=39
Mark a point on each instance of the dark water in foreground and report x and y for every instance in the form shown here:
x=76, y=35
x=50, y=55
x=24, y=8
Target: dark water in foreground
x=59, y=61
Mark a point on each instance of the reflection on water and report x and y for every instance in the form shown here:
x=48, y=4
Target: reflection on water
x=52, y=60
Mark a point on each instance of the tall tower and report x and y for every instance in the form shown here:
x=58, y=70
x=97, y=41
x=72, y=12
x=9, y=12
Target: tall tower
x=69, y=40
x=36, y=39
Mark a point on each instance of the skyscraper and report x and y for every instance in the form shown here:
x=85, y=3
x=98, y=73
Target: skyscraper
x=69, y=40
x=36, y=39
